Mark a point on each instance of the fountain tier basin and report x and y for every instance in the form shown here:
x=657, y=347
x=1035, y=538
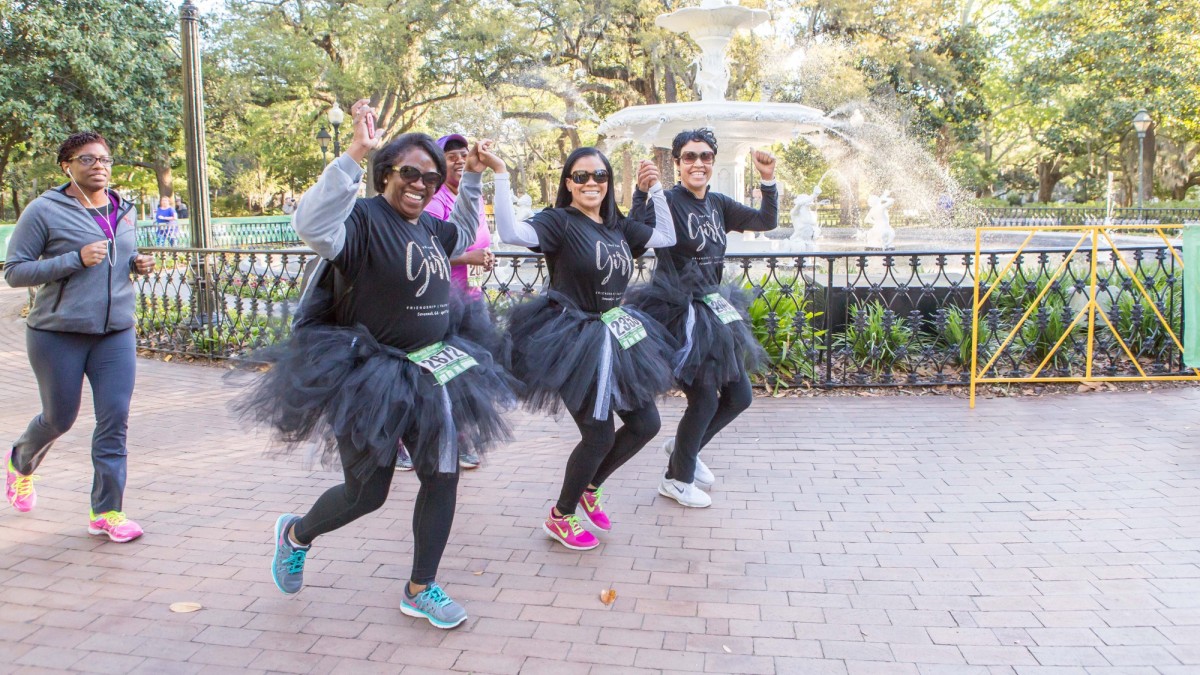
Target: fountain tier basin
x=740, y=126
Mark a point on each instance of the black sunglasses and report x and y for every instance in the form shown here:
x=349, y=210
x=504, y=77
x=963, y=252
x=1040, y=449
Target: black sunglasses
x=581, y=177
x=410, y=174
x=705, y=157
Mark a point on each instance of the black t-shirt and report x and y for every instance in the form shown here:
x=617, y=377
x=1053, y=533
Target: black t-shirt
x=398, y=273
x=701, y=226
x=589, y=263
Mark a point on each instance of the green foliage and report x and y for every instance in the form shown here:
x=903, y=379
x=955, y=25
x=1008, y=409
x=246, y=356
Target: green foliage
x=783, y=324
x=877, y=339
x=101, y=65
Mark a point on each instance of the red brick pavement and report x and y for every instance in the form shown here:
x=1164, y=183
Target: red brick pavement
x=847, y=535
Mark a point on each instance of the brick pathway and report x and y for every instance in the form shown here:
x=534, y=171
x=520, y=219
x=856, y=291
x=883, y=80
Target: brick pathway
x=848, y=535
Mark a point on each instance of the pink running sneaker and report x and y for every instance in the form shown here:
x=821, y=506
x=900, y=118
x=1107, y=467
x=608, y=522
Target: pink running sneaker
x=568, y=532
x=590, y=501
x=114, y=523
x=19, y=488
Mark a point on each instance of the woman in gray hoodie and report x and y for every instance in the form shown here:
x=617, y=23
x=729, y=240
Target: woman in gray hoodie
x=76, y=243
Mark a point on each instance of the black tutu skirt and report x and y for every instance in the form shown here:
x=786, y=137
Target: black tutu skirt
x=329, y=382
x=565, y=356
x=712, y=353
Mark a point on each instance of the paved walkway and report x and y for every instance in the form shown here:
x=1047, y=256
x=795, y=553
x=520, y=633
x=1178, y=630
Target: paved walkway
x=848, y=535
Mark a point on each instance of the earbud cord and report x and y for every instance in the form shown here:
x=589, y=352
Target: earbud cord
x=112, y=241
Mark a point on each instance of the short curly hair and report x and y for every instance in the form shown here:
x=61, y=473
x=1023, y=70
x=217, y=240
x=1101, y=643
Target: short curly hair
x=703, y=134
x=385, y=157
x=66, y=151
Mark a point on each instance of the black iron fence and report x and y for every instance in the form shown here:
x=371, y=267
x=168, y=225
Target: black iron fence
x=825, y=319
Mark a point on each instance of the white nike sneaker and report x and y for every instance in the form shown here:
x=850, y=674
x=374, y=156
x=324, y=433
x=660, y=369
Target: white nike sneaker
x=703, y=475
x=686, y=494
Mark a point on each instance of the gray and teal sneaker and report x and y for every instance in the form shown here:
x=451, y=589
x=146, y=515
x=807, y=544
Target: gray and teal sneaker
x=288, y=567
x=433, y=604
x=468, y=459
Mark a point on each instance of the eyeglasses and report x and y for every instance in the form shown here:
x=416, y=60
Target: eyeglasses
x=89, y=160
x=705, y=157
x=411, y=174
x=581, y=177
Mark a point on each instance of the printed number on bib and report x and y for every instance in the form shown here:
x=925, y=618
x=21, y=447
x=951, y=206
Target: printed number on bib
x=444, y=361
x=627, y=329
x=721, y=307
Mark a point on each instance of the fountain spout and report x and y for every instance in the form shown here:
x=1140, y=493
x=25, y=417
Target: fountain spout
x=712, y=25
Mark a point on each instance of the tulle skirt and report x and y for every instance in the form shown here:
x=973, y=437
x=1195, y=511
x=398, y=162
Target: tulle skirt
x=565, y=356
x=329, y=382
x=712, y=353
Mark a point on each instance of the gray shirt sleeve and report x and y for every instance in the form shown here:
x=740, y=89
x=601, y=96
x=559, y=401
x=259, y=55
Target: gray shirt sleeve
x=321, y=215
x=507, y=227
x=465, y=214
x=24, y=266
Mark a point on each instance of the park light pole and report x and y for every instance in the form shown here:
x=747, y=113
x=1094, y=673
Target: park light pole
x=323, y=138
x=206, y=309
x=1141, y=124
x=336, y=117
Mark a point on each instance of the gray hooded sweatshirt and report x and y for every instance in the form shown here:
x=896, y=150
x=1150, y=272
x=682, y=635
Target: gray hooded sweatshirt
x=44, y=251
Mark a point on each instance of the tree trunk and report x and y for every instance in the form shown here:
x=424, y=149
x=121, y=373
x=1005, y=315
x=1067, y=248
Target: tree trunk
x=666, y=167
x=1048, y=173
x=16, y=199
x=162, y=173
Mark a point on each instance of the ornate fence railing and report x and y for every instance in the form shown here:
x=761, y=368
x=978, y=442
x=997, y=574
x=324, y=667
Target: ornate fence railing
x=825, y=319
x=1071, y=215
x=226, y=233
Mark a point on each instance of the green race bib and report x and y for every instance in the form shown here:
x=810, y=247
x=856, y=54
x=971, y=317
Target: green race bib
x=628, y=330
x=444, y=361
x=721, y=307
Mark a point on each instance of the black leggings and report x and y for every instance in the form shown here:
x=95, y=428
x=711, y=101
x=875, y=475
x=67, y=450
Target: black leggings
x=433, y=511
x=708, y=411
x=602, y=450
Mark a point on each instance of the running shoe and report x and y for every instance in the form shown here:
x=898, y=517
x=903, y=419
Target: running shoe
x=433, y=605
x=468, y=459
x=686, y=494
x=703, y=474
x=568, y=532
x=19, y=488
x=590, y=501
x=403, y=460
x=288, y=567
x=114, y=523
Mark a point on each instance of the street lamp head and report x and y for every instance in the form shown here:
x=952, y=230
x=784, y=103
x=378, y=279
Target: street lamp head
x=1142, y=122
x=323, y=137
x=336, y=116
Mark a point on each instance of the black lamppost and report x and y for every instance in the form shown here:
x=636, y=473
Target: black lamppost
x=323, y=138
x=336, y=117
x=1141, y=124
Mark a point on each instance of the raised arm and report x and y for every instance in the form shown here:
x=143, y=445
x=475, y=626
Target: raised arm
x=465, y=214
x=742, y=218
x=320, y=218
x=507, y=227
x=664, y=226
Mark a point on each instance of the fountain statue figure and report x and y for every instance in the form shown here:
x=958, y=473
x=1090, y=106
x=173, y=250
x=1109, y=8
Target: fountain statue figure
x=881, y=234
x=805, y=225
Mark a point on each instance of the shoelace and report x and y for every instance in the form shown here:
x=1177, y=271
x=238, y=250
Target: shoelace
x=436, y=595
x=295, y=562
x=573, y=521
x=593, y=504
x=23, y=485
x=113, y=518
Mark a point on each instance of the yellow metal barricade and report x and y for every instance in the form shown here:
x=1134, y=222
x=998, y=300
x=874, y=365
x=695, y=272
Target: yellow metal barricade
x=1094, y=240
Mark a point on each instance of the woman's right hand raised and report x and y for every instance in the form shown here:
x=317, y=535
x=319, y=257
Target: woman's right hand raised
x=364, y=142
x=94, y=253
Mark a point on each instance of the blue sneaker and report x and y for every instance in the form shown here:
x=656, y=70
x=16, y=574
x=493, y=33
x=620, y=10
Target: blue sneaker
x=288, y=567
x=433, y=604
x=403, y=460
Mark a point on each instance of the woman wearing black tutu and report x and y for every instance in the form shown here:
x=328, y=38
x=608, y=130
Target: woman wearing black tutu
x=576, y=345
x=709, y=320
x=401, y=357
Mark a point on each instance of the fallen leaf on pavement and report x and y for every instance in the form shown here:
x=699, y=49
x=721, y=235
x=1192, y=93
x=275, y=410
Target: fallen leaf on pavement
x=185, y=607
x=608, y=596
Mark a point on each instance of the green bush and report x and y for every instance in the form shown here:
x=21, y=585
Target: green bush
x=877, y=338
x=782, y=323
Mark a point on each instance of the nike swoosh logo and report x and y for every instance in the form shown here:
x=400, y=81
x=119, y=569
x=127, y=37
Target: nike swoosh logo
x=677, y=489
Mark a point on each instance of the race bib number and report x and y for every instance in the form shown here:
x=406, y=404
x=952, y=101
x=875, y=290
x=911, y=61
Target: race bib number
x=443, y=361
x=628, y=330
x=721, y=307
